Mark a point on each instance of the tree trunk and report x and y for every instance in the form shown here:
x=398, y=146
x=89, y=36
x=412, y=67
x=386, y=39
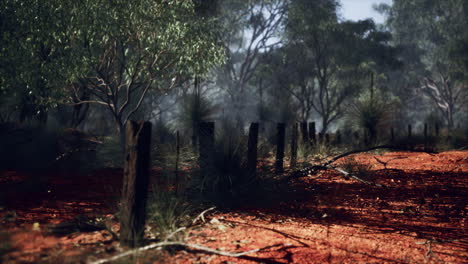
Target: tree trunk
x=280, y=138
x=135, y=185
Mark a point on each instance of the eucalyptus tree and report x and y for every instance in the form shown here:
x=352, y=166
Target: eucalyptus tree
x=35, y=56
x=113, y=52
x=329, y=57
x=433, y=33
x=251, y=29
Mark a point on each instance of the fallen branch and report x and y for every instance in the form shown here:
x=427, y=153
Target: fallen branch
x=347, y=174
x=187, y=245
x=314, y=169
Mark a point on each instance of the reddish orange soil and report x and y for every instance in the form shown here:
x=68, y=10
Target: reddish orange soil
x=419, y=218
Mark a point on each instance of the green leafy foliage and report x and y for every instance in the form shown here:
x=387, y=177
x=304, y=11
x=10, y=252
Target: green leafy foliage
x=430, y=35
x=114, y=47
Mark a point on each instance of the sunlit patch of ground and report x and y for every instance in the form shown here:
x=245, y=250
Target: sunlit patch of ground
x=419, y=218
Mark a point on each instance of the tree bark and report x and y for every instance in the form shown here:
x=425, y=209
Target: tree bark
x=135, y=185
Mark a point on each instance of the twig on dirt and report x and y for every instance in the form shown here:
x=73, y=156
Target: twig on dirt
x=173, y=233
x=347, y=174
x=202, y=215
x=429, y=243
x=187, y=245
x=384, y=163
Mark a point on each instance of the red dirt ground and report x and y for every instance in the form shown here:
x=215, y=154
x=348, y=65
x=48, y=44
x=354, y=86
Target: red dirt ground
x=419, y=218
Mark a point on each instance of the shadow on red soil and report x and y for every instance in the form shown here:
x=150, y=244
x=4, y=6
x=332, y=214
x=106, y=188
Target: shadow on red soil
x=420, y=217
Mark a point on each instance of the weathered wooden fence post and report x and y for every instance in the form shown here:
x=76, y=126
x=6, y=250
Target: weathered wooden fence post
x=392, y=134
x=425, y=131
x=294, y=136
x=206, y=147
x=338, y=137
x=437, y=129
x=409, y=131
x=356, y=138
x=280, y=138
x=426, y=138
x=252, y=150
x=135, y=183
x=312, y=132
x=305, y=134
x=327, y=138
x=320, y=137
x=176, y=171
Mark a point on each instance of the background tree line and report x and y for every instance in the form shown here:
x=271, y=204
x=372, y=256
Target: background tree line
x=94, y=65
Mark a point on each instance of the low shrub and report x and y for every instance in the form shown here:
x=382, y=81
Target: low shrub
x=5, y=245
x=356, y=168
x=167, y=211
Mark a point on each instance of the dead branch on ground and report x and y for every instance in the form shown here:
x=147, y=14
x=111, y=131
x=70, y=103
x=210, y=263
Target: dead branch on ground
x=186, y=245
x=327, y=165
x=167, y=243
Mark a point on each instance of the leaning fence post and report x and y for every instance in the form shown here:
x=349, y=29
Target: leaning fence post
x=252, y=150
x=280, y=138
x=135, y=183
x=294, y=135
